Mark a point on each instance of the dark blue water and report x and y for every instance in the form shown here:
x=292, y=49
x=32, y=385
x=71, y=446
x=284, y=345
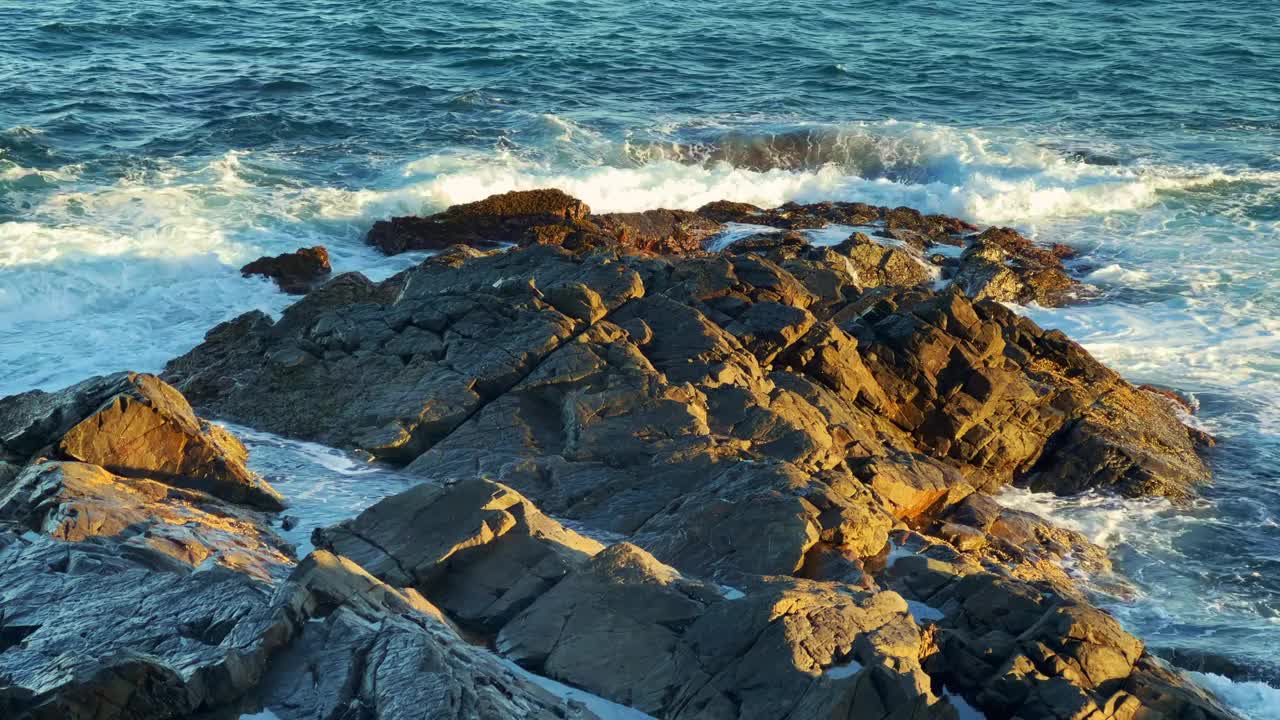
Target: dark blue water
x=147, y=149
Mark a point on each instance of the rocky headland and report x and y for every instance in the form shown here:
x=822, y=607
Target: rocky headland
x=690, y=462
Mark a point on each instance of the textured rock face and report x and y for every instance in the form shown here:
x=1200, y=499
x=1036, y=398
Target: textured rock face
x=137, y=426
x=1018, y=648
x=103, y=630
x=76, y=501
x=372, y=651
x=629, y=628
x=430, y=348
x=1002, y=265
x=295, y=272
x=622, y=625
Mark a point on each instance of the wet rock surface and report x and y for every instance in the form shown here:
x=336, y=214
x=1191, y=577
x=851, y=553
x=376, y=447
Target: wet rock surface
x=784, y=455
x=550, y=217
x=295, y=272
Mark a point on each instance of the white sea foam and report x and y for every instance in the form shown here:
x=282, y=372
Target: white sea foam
x=1116, y=274
x=1253, y=700
x=1052, y=188
x=921, y=612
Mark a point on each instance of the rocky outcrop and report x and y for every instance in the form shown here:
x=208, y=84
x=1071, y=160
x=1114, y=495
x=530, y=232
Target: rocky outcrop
x=788, y=448
x=295, y=272
x=1018, y=648
x=523, y=217
x=114, y=632
x=365, y=649
x=622, y=625
x=133, y=425
x=628, y=628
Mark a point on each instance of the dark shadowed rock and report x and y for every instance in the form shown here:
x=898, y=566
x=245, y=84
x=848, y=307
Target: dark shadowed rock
x=295, y=272
x=371, y=650
x=494, y=221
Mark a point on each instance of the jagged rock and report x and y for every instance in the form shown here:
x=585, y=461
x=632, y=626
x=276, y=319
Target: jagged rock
x=738, y=415
x=133, y=425
x=630, y=629
x=1019, y=649
x=982, y=387
x=295, y=272
x=1002, y=265
x=104, y=631
x=876, y=265
x=478, y=549
x=450, y=339
x=370, y=650
x=75, y=502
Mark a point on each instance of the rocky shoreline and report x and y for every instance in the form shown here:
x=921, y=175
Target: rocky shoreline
x=691, y=462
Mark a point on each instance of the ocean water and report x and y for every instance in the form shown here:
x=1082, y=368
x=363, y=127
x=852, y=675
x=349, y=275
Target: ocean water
x=149, y=149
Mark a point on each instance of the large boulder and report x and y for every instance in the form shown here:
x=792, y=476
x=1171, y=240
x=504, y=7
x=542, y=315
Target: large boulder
x=295, y=272
x=492, y=222
x=134, y=425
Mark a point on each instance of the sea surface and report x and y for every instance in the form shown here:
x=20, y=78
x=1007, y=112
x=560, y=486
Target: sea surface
x=148, y=149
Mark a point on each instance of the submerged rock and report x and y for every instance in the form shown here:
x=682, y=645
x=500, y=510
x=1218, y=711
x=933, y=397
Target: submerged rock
x=295, y=272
